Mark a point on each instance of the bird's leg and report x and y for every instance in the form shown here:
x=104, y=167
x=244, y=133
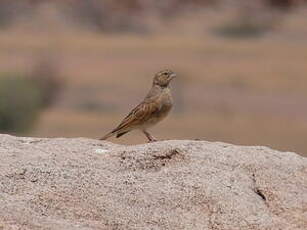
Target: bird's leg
x=149, y=136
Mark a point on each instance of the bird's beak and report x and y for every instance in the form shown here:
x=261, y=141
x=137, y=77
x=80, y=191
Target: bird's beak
x=172, y=76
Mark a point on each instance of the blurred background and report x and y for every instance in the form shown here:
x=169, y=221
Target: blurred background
x=71, y=68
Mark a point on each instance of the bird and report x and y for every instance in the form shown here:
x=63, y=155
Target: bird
x=154, y=108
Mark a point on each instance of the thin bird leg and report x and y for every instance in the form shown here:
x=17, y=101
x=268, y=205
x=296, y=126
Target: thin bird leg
x=149, y=136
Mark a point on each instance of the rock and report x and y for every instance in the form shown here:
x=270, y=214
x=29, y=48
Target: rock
x=88, y=184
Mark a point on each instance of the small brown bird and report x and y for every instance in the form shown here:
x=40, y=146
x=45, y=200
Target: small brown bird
x=151, y=110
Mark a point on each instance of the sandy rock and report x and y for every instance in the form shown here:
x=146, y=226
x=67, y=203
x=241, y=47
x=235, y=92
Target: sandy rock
x=89, y=184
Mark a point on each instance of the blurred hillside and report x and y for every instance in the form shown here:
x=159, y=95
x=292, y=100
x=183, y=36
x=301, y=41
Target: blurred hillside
x=132, y=15
x=242, y=73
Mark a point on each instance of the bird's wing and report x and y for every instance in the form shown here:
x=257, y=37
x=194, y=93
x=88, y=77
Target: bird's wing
x=138, y=115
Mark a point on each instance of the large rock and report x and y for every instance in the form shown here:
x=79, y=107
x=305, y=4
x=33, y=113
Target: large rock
x=88, y=184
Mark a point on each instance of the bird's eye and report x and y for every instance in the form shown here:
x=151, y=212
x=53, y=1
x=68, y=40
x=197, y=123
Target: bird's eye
x=165, y=73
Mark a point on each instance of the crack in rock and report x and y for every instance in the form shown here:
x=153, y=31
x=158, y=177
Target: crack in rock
x=257, y=190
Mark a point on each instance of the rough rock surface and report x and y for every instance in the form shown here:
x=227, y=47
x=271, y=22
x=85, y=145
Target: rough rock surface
x=88, y=184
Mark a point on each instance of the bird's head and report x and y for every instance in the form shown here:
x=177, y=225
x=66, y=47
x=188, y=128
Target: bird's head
x=163, y=78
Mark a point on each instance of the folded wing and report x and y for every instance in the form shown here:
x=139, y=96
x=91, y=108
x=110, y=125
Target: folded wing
x=138, y=116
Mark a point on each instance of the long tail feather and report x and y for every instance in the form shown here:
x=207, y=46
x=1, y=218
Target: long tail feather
x=121, y=134
x=108, y=136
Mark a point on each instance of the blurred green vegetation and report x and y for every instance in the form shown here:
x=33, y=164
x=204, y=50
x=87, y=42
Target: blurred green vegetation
x=20, y=102
x=243, y=29
x=23, y=97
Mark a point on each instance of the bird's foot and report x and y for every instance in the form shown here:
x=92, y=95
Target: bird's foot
x=149, y=137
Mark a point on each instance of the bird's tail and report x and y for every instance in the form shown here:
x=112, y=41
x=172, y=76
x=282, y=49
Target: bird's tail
x=113, y=133
x=108, y=136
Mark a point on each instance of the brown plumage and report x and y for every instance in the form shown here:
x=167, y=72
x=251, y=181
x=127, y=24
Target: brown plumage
x=151, y=110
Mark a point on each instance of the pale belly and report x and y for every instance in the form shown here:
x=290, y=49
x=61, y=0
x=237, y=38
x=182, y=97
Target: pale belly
x=158, y=115
x=166, y=104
